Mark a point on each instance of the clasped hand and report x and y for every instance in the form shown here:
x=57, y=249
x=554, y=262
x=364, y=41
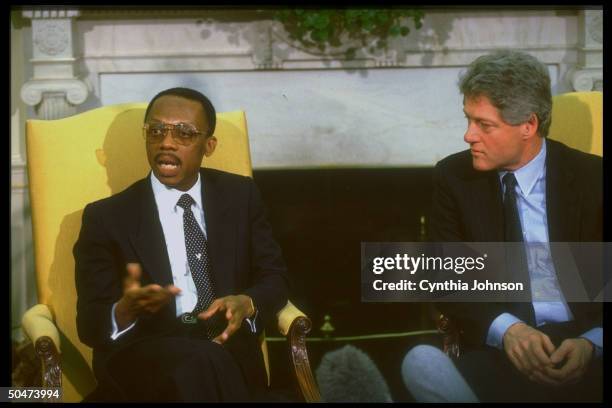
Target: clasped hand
x=534, y=355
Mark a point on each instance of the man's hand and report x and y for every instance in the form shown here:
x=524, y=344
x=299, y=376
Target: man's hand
x=577, y=354
x=530, y=351
x=138, y=300
x=237, y=308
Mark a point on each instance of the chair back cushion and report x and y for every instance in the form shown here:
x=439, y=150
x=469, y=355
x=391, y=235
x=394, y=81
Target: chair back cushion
x=577, y=121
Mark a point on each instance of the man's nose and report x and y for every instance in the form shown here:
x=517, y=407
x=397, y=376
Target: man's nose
x=167, y=141
x=471, y=134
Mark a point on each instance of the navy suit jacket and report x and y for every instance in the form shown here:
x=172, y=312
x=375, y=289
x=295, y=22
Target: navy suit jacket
x=467, y=206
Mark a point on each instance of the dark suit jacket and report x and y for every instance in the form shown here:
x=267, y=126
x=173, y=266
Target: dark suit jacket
x=126, y=228
x=467, y=206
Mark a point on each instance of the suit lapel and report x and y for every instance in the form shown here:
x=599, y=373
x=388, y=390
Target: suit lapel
x=562, y=197
x=486, y=200
x=220, y=231
x=147, y=237
x=563, y=217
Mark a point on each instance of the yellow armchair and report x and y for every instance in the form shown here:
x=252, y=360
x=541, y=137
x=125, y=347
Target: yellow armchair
x=83, y=158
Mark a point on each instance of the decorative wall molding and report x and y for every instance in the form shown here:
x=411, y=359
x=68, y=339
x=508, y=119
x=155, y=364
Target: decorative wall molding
x=49, y=13
x=588, y=74
x=54, y=90
x=594, y=27
x=54, y=98
x=75, y=90
x=52, y=37
x=587, y=80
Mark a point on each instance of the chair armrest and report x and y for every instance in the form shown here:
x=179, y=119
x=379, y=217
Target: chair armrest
x=287, y=316
x=451, y=335
x=37, y=324
x=295, y=325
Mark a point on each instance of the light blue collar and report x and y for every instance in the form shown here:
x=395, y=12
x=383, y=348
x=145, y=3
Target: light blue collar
x=527, y=175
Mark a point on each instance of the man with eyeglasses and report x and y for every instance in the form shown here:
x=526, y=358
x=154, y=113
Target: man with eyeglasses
x=178, y=274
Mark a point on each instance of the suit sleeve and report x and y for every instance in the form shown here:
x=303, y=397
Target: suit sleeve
x=447, y=226
x=98, y=281
x=270, y=282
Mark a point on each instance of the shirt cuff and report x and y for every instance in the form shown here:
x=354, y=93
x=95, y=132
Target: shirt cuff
x=495, y=336
x=251, y=322
x=595, y=336
x=116, y=333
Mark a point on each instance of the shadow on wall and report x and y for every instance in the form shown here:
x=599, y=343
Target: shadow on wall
x=124, y=153
x=124, y=158
x=572, y=124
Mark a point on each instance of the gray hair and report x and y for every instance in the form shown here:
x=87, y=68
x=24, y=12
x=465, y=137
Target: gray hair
x=517, y=84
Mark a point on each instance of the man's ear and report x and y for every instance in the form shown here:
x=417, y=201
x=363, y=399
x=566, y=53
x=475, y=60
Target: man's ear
x=210, y=144
x=529, y=129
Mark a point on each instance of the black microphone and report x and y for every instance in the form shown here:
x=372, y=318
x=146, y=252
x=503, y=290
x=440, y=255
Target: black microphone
x=349, y=375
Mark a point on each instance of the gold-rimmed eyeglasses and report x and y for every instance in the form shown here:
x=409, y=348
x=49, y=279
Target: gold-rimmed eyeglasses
x=182, y=133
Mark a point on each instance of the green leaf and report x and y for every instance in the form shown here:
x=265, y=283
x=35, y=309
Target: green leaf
x=394, y=31
x=382, y=17
x=310, y=20
x=328, y=26
x=321, y=21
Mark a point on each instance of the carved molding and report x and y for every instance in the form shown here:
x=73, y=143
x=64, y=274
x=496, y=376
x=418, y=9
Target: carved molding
x=594, y=26
x=54, y=98
x=297, y=336
x=75, y=90
x=51, y=362
x=50, y=13
x=51, y=37
x=53, y=90
x=588, y=75
x=587, y=80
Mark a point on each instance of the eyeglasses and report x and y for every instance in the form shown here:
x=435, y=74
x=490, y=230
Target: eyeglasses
x=182, y=133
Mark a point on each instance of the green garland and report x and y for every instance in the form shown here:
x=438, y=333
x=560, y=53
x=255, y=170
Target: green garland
x=326, y=27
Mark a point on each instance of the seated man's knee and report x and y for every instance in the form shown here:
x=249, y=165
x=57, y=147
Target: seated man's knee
x=419, y=361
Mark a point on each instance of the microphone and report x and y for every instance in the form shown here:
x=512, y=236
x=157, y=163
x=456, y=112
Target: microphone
x=349, y=375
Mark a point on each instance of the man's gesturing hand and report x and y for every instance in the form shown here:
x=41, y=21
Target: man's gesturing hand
x=577, y=354
x=138, y=300
x=529, y=350
x=237, y=308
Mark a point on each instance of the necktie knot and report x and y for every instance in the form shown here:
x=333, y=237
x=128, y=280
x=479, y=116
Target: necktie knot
x=185, y=202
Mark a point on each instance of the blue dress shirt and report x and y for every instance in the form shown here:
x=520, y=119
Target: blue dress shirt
x=531, y=204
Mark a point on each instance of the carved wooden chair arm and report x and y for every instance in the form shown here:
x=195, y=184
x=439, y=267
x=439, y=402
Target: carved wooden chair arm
x=295, y=325
x=451, y=335
x=38, y=326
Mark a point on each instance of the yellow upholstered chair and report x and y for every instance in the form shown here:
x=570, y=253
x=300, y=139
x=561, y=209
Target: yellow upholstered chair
x=83, y=158
x=577, y=121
